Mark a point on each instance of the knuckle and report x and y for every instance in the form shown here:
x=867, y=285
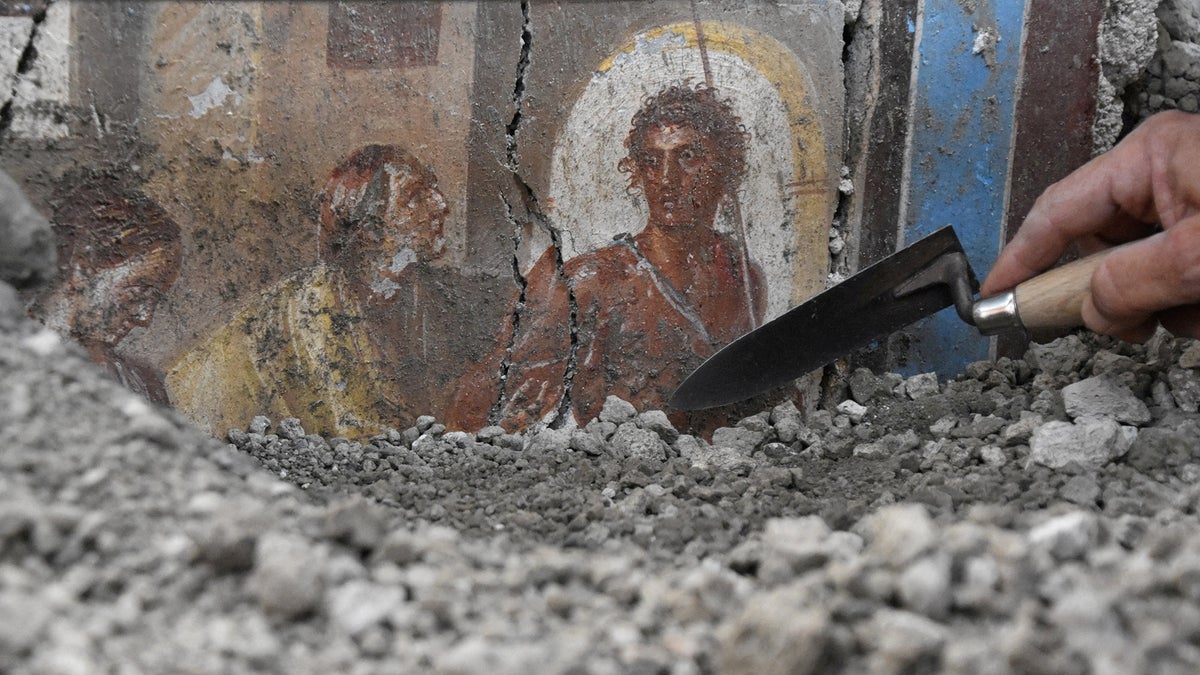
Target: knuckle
x=1182, y=252
x=1108, y=296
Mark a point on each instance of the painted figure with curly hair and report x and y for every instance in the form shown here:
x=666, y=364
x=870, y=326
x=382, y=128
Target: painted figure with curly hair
x=632, y=318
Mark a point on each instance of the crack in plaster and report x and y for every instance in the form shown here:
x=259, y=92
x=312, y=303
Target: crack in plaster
x=24, y=65
x=523, y=284
x=839, y=261
x=536, y=214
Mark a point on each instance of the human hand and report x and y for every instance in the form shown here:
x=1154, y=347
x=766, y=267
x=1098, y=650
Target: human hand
x=1151, y=179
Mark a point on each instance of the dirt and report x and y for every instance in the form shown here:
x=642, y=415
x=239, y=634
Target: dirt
x=917, y=527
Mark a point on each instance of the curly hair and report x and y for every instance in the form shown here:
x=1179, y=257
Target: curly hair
x=697, y=107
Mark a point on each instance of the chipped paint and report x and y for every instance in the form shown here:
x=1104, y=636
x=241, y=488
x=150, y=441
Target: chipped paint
x=213, y=96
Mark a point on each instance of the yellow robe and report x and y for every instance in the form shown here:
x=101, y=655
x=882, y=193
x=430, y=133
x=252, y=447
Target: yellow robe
x=301, y=350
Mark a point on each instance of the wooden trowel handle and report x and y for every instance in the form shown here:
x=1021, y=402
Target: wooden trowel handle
x=1053, y=300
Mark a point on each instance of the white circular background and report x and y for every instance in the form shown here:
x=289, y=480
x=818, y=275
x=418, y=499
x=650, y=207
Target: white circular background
x=590, y=203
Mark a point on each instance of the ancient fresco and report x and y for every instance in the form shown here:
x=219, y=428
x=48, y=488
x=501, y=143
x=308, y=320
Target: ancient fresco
x=352, y=214
x=689, y=201
x=118, y=255
x=340, y=344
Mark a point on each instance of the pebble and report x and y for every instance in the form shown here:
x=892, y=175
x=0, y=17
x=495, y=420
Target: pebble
x=617, y=411
x=921, y=386
x=1088, y=442
x=548, y=440
x=773, y=636
x=632, y=441
x=898, y=533
x=286, y=579
x=900, y=639
x=1066, y=537
x=740, y=439
x=925, y=586
x=657, y=421
x=1104, y=397
x=853, y=410
x=357, y=605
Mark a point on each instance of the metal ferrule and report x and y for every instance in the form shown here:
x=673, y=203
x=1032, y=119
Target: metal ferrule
x=996, y=314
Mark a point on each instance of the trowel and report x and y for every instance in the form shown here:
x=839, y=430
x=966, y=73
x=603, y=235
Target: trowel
x=913, y=283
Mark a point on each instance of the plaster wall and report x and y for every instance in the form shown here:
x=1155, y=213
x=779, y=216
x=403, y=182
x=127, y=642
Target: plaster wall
x=359, y=213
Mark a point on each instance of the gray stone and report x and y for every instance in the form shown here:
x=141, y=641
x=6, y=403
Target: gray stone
x=289, y=428
x=458, y=439
x=12, y=309
x=617, y=410
x=1161, y=396
x=921, y=386
x=792, y=546
x=1108, y=363
x=355, y=521
x=924, y=586
x=979, y=582
x=548, y=441
x=1065, y=537
x=656, y=421
x=1190, y=358
x=1185, y=388
x=1064, y=356
x=23, y=617
x=993, y=456
x=1181, y=18
x=942, y=427
x=259, y=424
x=1019, y=432
x=706, y=456
x=587, y=443
x=890, y=445
x=489, y=433
x=479, y=655
x=866, y=385
x=27, y=250
x=740, y=439
x=788, y=422
x=1103, y=396
x=1082, y=490
x=1180, y=58
x=1089, y=442
x=632, y=441
x=774, y=636
x=980, y=426
x=900, y=639
x=228, y=539
x=357, y=605
x=286, y=579
x=898, y=533
x=853, y=410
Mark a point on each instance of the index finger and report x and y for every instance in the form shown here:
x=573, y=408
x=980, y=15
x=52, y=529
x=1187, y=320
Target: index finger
x=1106, y=195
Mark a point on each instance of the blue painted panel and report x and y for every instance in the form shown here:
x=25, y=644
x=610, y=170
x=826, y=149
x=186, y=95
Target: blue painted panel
x=962, y=122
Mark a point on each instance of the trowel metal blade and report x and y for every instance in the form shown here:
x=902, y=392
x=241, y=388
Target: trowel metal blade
x=844, y=318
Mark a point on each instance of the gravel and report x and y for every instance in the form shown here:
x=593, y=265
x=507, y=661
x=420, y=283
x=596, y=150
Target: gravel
x=1033, y=515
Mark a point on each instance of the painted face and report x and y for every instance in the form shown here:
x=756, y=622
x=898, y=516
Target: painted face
x=389, y=219
x=103, y=305
x=679, y=176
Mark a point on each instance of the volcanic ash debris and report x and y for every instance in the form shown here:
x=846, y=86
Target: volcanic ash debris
x=1033, y=515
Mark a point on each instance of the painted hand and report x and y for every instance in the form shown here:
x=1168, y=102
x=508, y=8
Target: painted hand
x=1146, y=190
